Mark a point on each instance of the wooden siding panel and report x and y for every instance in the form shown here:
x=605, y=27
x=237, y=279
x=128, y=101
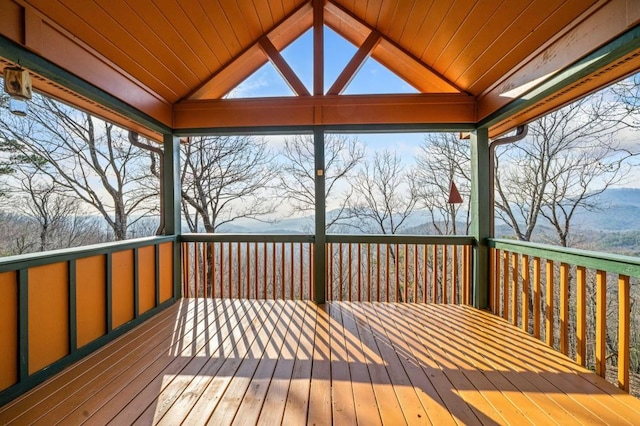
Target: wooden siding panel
x=122, y=285
x=48, y=315
x=146, y=278
x=8, y=329
x=166, y=271
x=91, y=299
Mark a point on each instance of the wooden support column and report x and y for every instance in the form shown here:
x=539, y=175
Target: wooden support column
x=480, y=209
x=172, y=212
x=321, y=238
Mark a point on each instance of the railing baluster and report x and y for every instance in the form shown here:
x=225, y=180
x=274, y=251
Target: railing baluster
x=445, y=262
x=378, y=263
x=454, y=275
x=406, y=273
x=265, y=262
x=536, y=297
x=493, y=271
x=505, y=285
x=601, y=322
x=330, y=254
x=340, y=271
x=301, y=292
x=624, y=343
x=222, y=270
x=387, y=272
x=425, y=255
x=282, y=271
x=467, y=275
x=415, y=273
x=274, y=277
x=204, y=270
x=434, y=281
x=312, y=266
x=549, y=304
x=564, y=308
x=213, y=270
x=396, y=266
x=291, y=271
x=360, y=271
x=248, y=256
x=239, y=269
x=524, y=302
x=350, y=272
x=581, y=315
x=514, y=288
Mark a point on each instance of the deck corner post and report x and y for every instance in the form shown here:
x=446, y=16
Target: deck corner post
x=172, y=204
x=320, y=226
x=480, y=216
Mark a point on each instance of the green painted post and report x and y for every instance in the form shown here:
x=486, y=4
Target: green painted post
x=480, y=209
x=320, y=237
x=171, y=211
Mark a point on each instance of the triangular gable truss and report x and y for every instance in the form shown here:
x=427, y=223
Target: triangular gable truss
x=370, y=43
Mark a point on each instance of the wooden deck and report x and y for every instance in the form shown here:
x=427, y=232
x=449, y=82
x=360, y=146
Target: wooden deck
x=274, y=362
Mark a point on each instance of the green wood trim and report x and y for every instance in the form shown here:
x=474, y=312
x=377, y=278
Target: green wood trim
x=16, y=53
x=604, y=56
x=156, y=254
x=319, y=266
x=480, y=216
x=136, y=283
x=13, y=263
x=109, y=290
x=28, y=382
x=453, y=240
x=246, y=238
x=23, y=324
x=73, y=312
x=619, y=264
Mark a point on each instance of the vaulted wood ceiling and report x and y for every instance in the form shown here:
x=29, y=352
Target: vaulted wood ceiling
x=173, y=58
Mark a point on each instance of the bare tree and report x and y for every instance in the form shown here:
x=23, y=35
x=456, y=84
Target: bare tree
x=84, y=158
x=342, y=155
x=570, y=157
x=444, y=158
x=225, y=178
x=383, y=196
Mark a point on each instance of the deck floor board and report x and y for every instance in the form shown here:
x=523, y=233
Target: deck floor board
x=275, y=362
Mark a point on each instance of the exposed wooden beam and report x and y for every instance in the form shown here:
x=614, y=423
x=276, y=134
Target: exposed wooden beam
x=253, y=57
x=318, y=47
x=283, y=67
x=392, y=55
x=550, y=69
x=324, y=110
x=354, y=64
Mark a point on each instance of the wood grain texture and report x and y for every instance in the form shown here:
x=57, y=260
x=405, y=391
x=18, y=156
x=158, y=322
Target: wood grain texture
x=293, y=362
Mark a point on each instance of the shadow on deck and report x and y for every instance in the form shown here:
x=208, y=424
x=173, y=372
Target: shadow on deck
x=276, y=362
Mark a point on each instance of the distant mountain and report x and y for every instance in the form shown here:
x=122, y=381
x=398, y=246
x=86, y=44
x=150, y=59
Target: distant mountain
x=618, y=210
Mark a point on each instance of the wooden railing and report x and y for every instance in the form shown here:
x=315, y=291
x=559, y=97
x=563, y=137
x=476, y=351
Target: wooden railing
x=399, y=268
x=561, y=295
x=392, y=268
x=56, y=307
x=249, y=266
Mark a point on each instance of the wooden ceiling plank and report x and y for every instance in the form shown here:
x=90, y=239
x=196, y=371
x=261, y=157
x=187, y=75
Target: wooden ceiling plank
x=402, y=14
x=493, y=27
x=450, y=24
x=283, y=67
x=415, y=21
x=424, y=35
x=325, y=110
x=158, y=77
x=373, y=11
x=120, y=11
x=518, y=42
x=171, y=36
x=276, y=7
x=354, y=64
x=218, y=21
x=252, y=19
x=385, y=17
x=263, y=11
x=318, y=47
x=244, y=32
x=340, y=13
x=572, y=47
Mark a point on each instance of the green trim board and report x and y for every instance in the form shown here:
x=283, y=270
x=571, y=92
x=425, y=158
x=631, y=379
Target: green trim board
x=619, y=264
x=13, y=263
x=453, y=240
x=602, y=57
x=246, y=238
x=18, y=54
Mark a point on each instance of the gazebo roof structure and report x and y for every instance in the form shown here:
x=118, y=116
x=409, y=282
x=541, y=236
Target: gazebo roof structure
x=158, y=65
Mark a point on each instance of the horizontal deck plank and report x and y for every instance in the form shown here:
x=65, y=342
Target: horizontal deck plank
x=293, y=362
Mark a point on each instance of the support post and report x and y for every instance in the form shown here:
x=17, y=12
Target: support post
x=480, y=215
x=172, y=213
x=320, y=238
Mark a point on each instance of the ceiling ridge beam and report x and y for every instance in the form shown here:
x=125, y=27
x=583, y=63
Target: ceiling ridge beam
x=397, y=46
x=283, y=68
x=293, y=16
x=354, y=65
x=318, y=47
